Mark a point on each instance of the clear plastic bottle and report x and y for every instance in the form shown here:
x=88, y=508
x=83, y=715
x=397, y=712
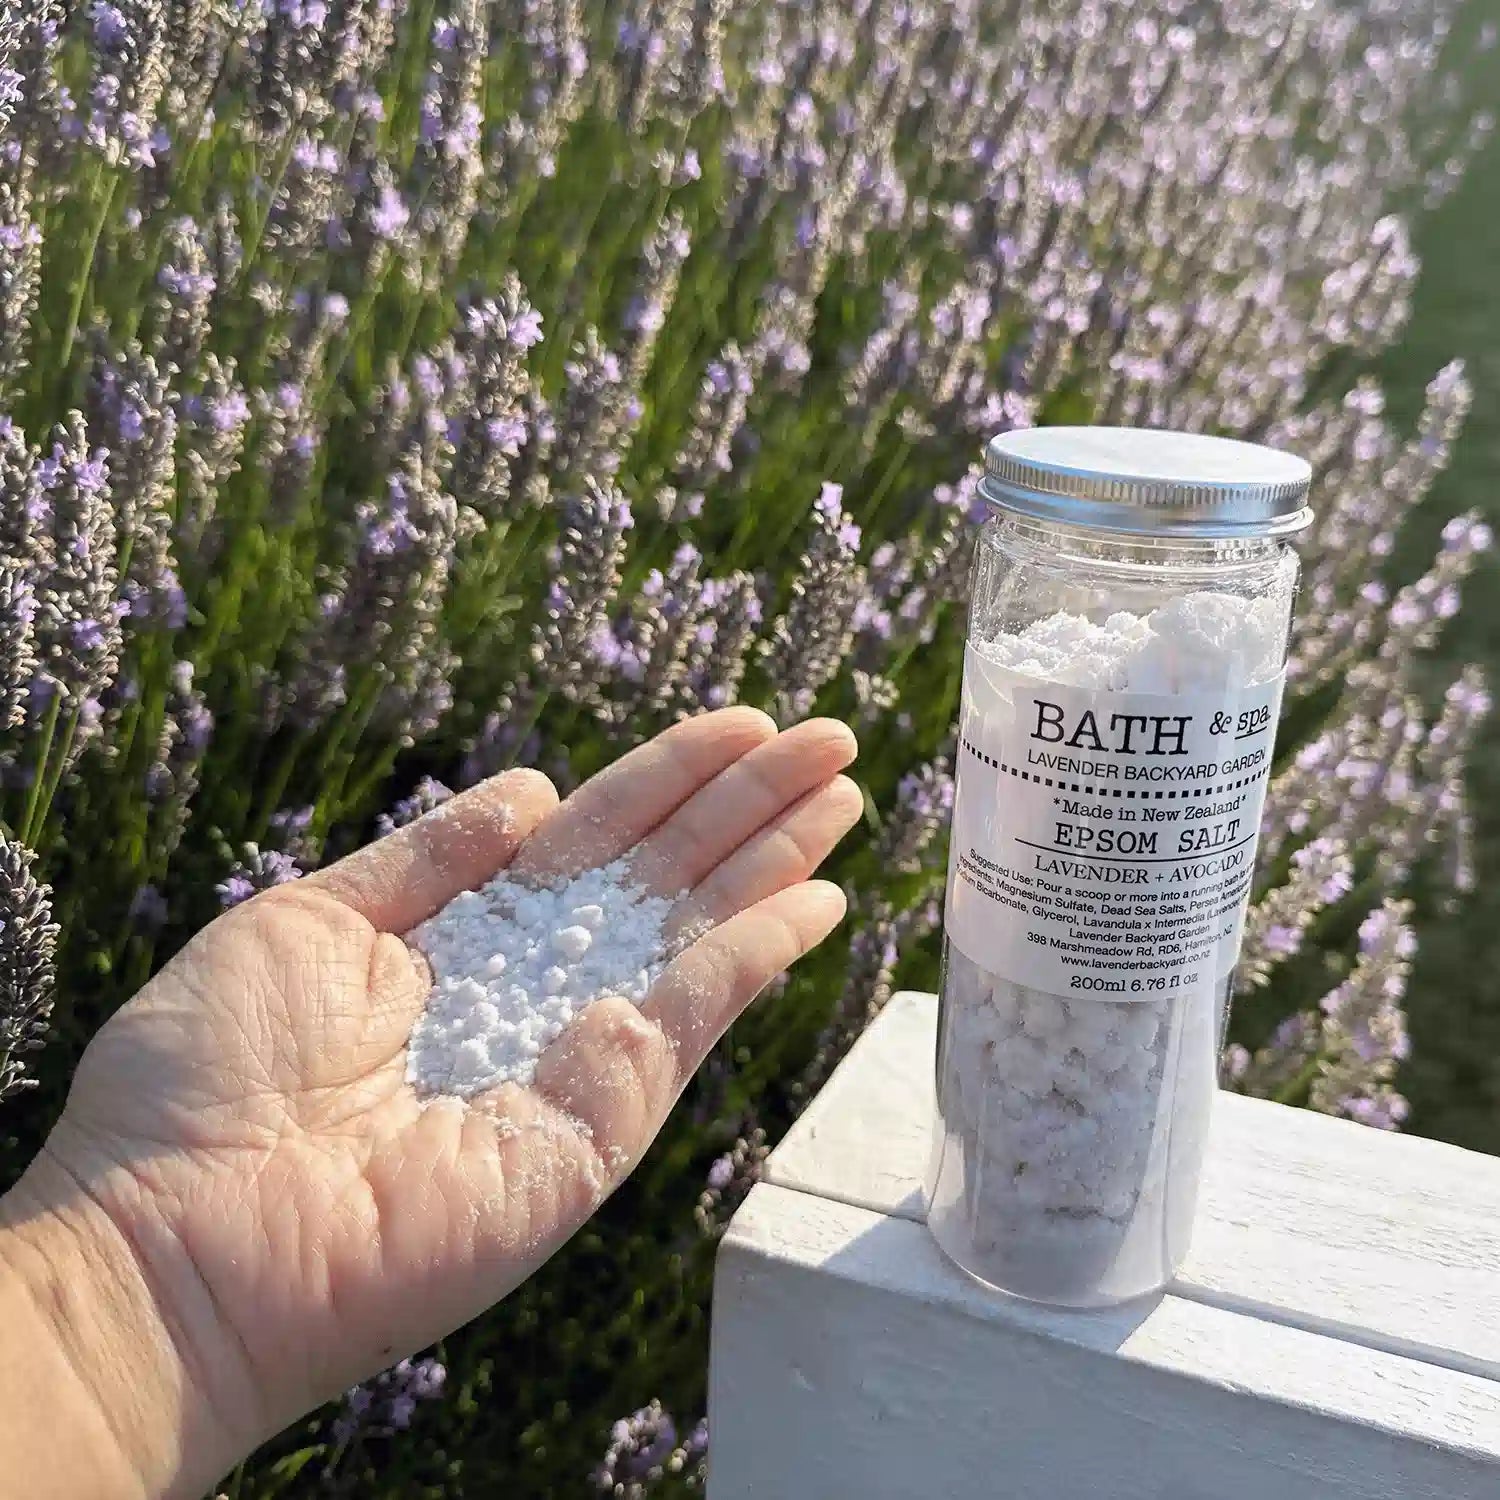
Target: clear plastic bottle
x=1130, y=608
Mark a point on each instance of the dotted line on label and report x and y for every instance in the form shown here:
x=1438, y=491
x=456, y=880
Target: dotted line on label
x=1058, y=783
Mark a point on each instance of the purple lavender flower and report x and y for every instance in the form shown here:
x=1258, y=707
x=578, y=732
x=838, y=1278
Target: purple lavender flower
x=596, y=417
x=291, y=831
x=653, y=649
x=427, y=795
x=882, y=932
x=149, y=908
x=254, y=871
x=1364, y=1028
x=28, y=939
x=20, y=281
x=729, y=1181
x=18, y=658
x=186, y=284
x=78, y=613
x=809, y=642
x=383, y=620
x=130, y=411
x=924, y=805
x=582, y=591
x=450, y=130
x=643, y=1448
x=505, y=739
x=12, y=30
x=388, y=214
x=388, y=1403
x=1321, y=875
x=706, y=454
x=720, y=648
x=129, y=75
x=662, y=259
x=492, y=341
x=213, y=426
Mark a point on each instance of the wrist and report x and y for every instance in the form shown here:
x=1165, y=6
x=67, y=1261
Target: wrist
x=86, y=1309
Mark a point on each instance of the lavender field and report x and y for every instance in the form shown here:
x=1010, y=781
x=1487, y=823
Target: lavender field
x=399, y=390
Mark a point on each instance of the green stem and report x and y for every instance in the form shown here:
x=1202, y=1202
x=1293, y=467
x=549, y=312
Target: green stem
x=883, y=487
x=41, y=811
x=85, y=280
x=34, y=796
x=279, y=782
x=538, y=708
x=336, y=804
x=385, y=763
x=519, y=548
x=577, y=247
x=416, y=305
x=222, y=613
x=515, y=213
x=358, y=323
x=283, y=162
x=1289, y=1093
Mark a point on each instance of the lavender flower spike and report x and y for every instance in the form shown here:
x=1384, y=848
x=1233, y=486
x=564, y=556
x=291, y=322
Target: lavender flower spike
x=1364, y=1028
x=584, y=583
x=639, y=1447
x=13, y=25
x=387, y=1404
x=808, y=643
x=18, y=660
x=729, y=1181
x=28, y=939
x=254, y=871
x=20, y=280
x=78, y=616
x=492, y=342
x=1321, y=875
x=427, y=796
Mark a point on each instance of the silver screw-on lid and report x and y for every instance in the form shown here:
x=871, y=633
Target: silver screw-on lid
x=1143, y=482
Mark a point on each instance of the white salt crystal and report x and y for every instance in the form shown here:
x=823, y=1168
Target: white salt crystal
x=573, y=942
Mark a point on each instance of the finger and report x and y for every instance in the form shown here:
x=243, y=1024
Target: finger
x=784, y=853
x=704, y=989
x=404, y=878
x=610, y=813
x=615, y=1072
x=739, y=801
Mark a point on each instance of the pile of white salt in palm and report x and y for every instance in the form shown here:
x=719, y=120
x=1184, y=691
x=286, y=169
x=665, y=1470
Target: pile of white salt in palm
x=513, y=965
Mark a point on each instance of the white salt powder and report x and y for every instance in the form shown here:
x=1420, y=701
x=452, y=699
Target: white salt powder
x=1073, y=1123
x=1197, y=642
x=513, y=965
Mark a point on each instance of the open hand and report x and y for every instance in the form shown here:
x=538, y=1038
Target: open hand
x=280, y=1213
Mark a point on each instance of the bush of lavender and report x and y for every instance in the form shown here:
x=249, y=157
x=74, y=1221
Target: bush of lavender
x=399, y=390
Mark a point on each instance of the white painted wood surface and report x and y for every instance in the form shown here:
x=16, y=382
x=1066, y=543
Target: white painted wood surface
x=1335, y=1332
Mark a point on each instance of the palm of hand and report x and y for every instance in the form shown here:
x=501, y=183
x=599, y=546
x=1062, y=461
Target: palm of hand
x=300, y=1212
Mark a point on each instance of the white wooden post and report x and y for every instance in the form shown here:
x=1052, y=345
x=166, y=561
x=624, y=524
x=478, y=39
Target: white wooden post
x=1335, y=1334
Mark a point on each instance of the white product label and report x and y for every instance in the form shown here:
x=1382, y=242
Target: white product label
x=1104, y=842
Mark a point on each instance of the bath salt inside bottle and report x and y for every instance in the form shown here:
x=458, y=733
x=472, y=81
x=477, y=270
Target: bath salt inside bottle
x=1130, y=609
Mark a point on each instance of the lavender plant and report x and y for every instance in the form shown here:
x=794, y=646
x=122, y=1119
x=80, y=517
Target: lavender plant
x=396, y=392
